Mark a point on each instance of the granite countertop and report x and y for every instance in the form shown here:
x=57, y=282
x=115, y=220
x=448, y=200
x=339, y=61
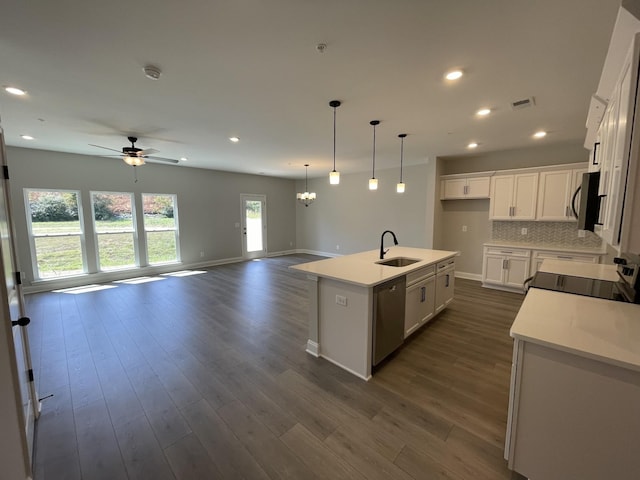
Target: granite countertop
x=549, y=247
x=602, y=330
x=361, y=268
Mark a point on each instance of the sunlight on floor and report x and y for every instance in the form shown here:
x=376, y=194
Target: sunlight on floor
x=185, y=273
x=138, y=280
x=85, y=289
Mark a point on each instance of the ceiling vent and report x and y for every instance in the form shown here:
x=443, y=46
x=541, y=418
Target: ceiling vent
x=523, y=103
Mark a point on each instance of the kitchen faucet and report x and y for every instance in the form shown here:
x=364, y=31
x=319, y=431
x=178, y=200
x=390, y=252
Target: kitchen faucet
x=382, y=250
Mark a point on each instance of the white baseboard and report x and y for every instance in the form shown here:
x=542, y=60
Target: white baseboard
x=357, y=374
x=503, y=288
x=469, y=276
x=316, y=252
x=313, y=348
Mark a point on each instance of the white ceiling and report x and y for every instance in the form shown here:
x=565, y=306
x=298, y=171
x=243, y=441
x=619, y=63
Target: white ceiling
x=250, y=68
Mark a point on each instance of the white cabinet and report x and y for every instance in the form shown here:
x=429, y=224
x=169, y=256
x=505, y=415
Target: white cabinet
x=505, y=267
x=514, y=197
x=539, y=256
x=555, y=194
x=467, y=187
x=445, y=280
x=420, y=303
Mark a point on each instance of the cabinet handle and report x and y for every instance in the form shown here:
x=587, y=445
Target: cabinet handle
x=505, y=251
x=447, y=281
x=423, y=294
x=566, y=257
x=566, y=212
x=595, y=157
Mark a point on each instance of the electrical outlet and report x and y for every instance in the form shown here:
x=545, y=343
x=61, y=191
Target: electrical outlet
x=237, y=225
x=582, y=233
x=337, y=247
x=524, y=231
x=201, y=254
x=291, y=244
x=341, y=300
x=464, y=228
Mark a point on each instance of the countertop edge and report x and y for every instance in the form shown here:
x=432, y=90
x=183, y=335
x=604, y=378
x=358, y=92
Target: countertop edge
x=550, y=248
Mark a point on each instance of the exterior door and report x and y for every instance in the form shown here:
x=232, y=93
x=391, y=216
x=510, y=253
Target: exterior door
x=254, y=226
x=16, y=377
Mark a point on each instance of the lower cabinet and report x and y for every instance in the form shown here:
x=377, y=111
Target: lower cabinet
x=420, y=304
x=445, y=279
x=505, y=267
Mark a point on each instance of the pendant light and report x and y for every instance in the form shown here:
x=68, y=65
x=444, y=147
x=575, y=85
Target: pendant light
x=400, y=186
x=334, y=176
x=306, y=198
x=373, y=181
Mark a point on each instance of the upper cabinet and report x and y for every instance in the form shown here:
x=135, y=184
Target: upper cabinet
x=556, y=191
x=514, y=197
x=454, y=187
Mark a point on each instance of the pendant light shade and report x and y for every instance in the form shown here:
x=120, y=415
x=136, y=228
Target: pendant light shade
x=400, y=186
x=334, y=176
x=373, y=181
x=306, y=197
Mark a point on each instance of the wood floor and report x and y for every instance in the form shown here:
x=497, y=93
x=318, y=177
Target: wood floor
x=206, y=377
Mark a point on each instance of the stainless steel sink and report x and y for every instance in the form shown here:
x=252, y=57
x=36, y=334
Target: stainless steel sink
x=398, y=261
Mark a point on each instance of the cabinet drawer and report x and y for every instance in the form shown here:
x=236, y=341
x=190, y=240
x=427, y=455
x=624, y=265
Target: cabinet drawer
x=449, y=263
x=421, y=274
x=512, y=252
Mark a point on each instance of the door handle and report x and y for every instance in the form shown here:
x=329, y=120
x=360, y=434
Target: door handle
x=21, y=322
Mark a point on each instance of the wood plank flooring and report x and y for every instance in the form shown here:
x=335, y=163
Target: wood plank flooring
x=206, y=377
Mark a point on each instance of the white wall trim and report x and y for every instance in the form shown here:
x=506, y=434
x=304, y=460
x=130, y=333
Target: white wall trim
x=313, y=348
x=359, y=375
x=316, y=252
x=469, y=276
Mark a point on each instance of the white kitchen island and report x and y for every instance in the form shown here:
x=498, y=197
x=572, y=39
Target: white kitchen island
x=574, y=407
x=341, y=292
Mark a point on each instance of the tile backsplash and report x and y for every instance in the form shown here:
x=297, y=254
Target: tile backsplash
x=563, y=234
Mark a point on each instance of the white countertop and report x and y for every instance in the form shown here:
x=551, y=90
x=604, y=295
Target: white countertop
x=362, y=269
x=596, y=271
x=603, y=330
x=547, y=247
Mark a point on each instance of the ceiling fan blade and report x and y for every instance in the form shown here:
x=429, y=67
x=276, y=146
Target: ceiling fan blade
x=148, y=151
x=160, y=159
x=106, y=148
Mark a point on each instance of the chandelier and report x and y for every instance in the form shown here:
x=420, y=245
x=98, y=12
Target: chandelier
x=306, y=197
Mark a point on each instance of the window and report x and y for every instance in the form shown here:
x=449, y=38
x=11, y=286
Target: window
x=115, y=229
x=160, y=227
x=56, y=233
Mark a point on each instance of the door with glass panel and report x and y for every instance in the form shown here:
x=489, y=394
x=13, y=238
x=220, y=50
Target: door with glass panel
x=254, y=226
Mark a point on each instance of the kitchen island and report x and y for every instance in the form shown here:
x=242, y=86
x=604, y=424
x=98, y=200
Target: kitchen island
x=574, y=407
x=342, y=300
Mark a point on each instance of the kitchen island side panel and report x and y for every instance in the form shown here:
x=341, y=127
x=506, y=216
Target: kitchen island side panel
x=344, y=331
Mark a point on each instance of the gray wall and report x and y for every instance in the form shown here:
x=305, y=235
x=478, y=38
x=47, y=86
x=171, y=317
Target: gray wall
x=350, y=216
x=451, y=215
x=208, y=201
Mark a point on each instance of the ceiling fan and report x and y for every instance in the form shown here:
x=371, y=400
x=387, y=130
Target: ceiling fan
x=135, y=156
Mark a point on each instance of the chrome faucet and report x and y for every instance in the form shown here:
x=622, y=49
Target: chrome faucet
x=382, y=250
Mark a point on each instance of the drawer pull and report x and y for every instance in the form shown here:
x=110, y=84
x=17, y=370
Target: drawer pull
x=566, y=257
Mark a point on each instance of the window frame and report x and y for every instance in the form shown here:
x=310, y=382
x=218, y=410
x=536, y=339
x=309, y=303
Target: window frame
x=134, y=231
x=32, y=237
x=175, y=229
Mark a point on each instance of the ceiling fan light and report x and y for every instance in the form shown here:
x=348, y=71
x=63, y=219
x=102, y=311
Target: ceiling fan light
x=134, y=161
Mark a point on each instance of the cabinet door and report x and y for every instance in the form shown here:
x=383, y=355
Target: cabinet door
x=501, y=196
x=478, y=187
x=493, y=271
x=554, y=194
x=454, y=188
x=420, y=304
x=516, y=272
x=525, y=194
x=444, y=289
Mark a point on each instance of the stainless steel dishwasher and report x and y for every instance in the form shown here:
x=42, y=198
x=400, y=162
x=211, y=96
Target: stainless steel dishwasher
x=388, y=317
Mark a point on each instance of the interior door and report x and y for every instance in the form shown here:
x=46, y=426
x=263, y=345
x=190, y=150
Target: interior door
x=254, y=226
x=12, y=293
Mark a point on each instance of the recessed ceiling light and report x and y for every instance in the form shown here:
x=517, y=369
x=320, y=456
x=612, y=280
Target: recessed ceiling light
x=27, y=137
x=15, y=91
x=483, y=112
x=472, y=145
x=183, y=159
x=234, y=139
x=454, y=75
x=540, y=134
